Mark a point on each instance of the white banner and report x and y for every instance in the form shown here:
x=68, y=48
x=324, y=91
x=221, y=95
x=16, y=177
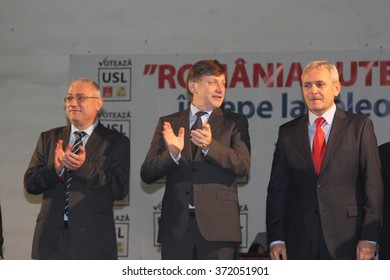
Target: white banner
x=175, y=270
x=265, y=87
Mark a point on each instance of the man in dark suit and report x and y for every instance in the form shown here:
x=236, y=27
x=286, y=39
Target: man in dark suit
x=99, y=175
x=333, y=212
x=1, y=237
x=384, y=245
x=200, y=208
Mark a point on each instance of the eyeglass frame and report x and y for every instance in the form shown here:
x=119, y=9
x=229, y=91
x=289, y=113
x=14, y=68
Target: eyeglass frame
x=80, y=98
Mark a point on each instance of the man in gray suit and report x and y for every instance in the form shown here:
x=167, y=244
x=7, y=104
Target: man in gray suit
x=333, y=212
x=77, y=222
x=200, y=208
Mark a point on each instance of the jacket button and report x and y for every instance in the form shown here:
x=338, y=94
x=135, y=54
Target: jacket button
x=187, y=192
x=318, y=186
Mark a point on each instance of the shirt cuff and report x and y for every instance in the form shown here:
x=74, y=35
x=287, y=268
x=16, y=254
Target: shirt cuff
x=176, y=159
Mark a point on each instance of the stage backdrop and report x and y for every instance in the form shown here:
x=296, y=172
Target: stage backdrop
x=138, y=89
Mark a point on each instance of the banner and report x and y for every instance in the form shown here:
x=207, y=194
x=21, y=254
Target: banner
x=265, y=87
x=186, y=269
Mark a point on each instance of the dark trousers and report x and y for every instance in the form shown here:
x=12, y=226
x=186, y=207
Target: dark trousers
x=195, y=247
x=323, y=252
x=311, y=245
x=384, y=249
x=62, y=249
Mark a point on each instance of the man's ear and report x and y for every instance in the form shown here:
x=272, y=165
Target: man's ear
x=99, y=104
x=338, y=89
x=193, y=87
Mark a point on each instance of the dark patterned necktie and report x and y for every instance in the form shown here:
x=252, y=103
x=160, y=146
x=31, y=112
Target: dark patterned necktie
x=68, y=173
x=197, y=125
x=319, y=145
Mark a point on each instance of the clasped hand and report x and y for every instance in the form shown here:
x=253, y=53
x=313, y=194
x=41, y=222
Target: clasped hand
x=200, y=137
x=67, y=159
x=365, y=250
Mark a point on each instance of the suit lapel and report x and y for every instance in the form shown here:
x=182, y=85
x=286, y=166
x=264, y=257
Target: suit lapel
x=304, y=142
x=64, y=134
x=95, y=138
x=215, y=119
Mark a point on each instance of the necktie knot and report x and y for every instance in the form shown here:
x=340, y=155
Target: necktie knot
x=200, y=113
x=80, y=134
x=79, y=141
x=198, y=122
x=319, y=122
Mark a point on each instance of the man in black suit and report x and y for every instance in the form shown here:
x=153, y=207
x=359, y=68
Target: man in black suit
x=384, y=245
x=200, y=208
x=1, y=237
x=77, y=222
x=333, y=210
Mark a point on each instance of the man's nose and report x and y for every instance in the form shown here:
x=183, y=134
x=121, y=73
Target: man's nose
x=314, y=89
x=220, y=87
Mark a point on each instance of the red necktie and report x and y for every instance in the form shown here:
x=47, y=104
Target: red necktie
x=319, y=145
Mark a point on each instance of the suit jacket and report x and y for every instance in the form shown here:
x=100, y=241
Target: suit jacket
x=1, y=236
x=213, y=177
x=384, y=246
x=102, y=179
x=346, y=195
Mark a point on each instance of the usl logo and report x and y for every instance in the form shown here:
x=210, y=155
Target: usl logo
x=115, y=83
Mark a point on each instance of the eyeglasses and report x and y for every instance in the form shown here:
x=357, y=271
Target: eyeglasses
x=80, y=98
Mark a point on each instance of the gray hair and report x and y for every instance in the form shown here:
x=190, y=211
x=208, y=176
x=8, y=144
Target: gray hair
x=333, y=72
x=94, y=85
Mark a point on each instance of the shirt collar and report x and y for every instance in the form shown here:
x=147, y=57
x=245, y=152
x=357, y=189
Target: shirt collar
x=328, y=115
x=195, y=110
x=89, y=130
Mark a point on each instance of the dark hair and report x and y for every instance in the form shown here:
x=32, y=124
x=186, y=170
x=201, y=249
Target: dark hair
x=207, y=67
